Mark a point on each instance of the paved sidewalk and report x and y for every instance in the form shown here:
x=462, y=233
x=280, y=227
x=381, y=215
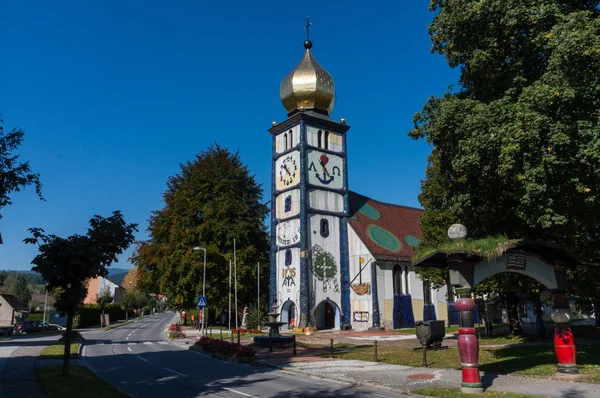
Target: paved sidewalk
x=18, y=378
x=403, y=379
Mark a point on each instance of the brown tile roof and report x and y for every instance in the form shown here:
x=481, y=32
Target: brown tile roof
x=389, y=231
x=41, y=297
x=13, y=302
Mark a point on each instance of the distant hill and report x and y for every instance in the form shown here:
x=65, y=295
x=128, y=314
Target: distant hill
x=117, y=275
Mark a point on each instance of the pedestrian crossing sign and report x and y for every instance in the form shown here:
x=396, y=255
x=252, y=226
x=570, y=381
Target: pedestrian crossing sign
x=201, y=301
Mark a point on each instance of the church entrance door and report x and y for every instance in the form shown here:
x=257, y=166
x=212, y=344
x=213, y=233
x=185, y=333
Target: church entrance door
x=329, y=316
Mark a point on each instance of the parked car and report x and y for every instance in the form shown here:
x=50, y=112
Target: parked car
x=25, y=327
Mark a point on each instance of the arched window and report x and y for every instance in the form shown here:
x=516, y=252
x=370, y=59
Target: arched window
x=291, y=139
x=319, y=138
x=285, y=142
x=406, y=280
x=288, y=203
x=288, y=257
x=324, y=227
x=326, y=146
x=397, y=279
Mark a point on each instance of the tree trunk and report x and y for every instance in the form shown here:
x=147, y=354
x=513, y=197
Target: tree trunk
x=126, y=314
x=67, y=353
x=514, y=326
x=597, y=313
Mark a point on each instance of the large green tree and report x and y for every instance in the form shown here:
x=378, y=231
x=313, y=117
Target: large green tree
x=14, y=174
x=517, y=141
x=67, y=264
x=211, y=201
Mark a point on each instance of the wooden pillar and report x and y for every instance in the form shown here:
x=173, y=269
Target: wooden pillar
x=468, y=346
x=564, y=343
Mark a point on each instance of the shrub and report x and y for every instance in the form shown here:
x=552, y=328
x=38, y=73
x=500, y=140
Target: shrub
x=89, y=314
x=254, y=331
x=175, y=327
x=254, y=319
x=173, y=334
x=241, y=330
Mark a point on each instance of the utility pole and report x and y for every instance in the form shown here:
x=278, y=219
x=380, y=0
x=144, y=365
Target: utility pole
x=229, y=313
x=235, y=283
x=258, y=280
x=45, y=305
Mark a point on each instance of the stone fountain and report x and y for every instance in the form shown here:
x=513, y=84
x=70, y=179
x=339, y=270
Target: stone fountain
x=274, y=336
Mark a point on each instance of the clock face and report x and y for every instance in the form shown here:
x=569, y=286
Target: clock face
x=287, y=170
x=325, y=170
x=288, y=232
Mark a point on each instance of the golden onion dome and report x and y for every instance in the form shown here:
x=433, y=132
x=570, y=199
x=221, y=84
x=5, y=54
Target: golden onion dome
x=308, y=86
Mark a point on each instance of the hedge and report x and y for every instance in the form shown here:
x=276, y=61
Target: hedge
x=89, y=315
x=37, y=316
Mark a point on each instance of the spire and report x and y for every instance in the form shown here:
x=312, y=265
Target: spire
x=308, y=85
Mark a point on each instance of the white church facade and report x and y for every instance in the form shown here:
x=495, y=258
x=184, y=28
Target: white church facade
x=339, y=260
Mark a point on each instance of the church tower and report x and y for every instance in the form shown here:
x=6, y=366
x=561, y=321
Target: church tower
x=309, y=283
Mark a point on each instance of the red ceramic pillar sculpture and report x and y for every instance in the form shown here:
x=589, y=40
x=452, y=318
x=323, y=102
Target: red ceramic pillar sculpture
x=564, y=343
x=468, y=346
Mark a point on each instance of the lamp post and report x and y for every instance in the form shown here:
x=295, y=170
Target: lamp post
x=197, y=248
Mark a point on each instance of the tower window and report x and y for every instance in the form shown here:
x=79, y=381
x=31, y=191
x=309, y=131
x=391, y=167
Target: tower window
x=326, y=146
x=288, y=257
x=285, y=137
x=324, y=227
x=291, y=139
x=406, y=279
x=319, y=138
x=288, y=203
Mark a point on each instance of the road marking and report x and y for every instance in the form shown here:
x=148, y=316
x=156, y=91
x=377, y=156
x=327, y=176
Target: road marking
x=148, y=342
x=143, y=359
x=127, y=338
x=128, y=349
x=173, y=371
x=239, y=392
x=163, y=343
x=379, y=395
x=131, y=343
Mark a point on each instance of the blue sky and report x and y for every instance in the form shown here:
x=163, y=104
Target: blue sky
x=113, y=95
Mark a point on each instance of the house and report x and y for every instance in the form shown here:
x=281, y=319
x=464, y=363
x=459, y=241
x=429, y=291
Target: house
x=98, y=285
x=11, y=309
x=38, y=302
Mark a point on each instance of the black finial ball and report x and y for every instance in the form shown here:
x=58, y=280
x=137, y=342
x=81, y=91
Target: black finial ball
x=308, y=44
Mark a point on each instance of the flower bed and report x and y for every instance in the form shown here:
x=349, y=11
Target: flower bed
x=174, y=331
x=244, y=331
x=225, y=349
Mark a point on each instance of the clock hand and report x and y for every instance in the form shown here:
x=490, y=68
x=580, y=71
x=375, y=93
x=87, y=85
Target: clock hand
x=283, y=166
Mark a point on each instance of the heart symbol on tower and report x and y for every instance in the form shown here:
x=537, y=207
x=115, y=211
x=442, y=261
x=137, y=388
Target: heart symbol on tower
x=324, y=160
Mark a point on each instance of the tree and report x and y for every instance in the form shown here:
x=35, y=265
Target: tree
x=128, y=302
x=103, y=299
x=21, y=289
x=212, y=200
x=14, y=175
x=517, y=143
x=66, y=264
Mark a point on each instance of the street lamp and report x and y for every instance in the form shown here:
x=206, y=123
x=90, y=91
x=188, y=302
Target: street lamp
x=198, y=248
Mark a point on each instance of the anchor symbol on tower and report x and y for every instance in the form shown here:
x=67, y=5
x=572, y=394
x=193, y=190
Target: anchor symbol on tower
x=327, y=178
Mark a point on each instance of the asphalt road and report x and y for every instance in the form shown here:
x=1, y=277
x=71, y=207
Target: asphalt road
x=138, y=359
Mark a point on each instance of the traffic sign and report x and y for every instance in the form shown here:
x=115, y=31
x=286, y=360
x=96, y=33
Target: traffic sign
x=201, y=301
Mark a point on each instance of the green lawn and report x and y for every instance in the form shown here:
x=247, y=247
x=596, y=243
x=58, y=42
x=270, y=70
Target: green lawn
x=529, y=360
x=81, y=382
x=56, y=351
x=455, y=393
